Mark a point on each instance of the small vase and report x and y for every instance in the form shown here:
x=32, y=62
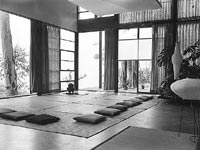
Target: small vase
x=176, y=60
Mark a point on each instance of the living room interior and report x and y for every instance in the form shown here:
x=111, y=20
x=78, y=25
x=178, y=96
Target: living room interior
x=97, y=74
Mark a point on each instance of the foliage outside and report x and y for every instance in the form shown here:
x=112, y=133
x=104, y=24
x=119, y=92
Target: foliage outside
x=20, y=57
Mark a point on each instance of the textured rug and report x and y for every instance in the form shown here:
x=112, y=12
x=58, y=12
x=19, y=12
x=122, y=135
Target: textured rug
x=134, y=138
x=68, y=126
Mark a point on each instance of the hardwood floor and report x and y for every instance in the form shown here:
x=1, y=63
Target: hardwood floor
x=164, y=116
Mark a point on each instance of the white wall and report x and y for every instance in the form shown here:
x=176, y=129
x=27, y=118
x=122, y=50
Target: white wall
x=61, y=13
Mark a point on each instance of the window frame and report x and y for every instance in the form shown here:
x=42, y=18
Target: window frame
x=138, y=60
x=67, y=50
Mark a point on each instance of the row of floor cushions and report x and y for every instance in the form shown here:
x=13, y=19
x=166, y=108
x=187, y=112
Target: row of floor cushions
x=41, y=119
x=113, y=110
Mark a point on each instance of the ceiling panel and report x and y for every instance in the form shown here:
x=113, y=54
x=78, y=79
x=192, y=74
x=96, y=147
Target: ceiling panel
x=61, y=13
x=107, y=7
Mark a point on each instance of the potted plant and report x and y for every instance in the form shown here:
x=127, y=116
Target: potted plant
x=190, y=67
x=164, y=60
x=188, y=85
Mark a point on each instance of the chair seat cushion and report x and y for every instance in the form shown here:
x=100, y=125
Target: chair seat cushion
x=108, y=112
x=120, y=107
x=5, y=110
x=90, y=118
x=42, y=119
x=16, y=116
x=128, y=103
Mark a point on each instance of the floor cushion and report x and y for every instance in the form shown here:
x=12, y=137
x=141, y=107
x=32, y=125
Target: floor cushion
x=16, y=116
x=90, y=118
x=5, y=110
x=108, y=112
x=127, y=103
x=137, y=102
x=120, y=107
x=145, y=98
x=42, y=119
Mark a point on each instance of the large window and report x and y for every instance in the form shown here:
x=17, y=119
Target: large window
x=89, y=61
x=135, y=50
x=67, y=50
x=19, y=45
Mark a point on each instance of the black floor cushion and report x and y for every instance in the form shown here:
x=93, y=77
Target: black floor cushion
x=120, y=107
x=136, y=102
x=108, y=112
x=5, y=110
x=145, y=98
x=16, y=116
x=90, y=118
x=42, y=119
x=127, y=103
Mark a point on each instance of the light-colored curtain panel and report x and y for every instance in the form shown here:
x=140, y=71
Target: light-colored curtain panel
x=163, y=13
x=53, y=46
x=188, y=34
x=162, y=38
x=188, y=9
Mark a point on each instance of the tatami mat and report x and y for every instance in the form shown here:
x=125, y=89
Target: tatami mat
x=134, y=138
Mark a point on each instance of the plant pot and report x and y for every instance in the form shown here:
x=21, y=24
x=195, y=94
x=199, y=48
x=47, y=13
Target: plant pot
x=188, y=88
x=143, y=86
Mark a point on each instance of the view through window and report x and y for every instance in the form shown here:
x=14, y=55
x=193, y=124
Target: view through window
x=20, y=44
x=89, y=61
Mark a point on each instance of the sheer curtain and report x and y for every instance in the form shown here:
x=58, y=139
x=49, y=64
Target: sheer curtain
x=164, y=13
x=111, y=59
x=39, y=62
x=54, y=59
x=188, y=34
x=162, y=38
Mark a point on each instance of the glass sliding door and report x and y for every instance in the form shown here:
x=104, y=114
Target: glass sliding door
x=144, y=65
x=135, y=50
x=127, y=60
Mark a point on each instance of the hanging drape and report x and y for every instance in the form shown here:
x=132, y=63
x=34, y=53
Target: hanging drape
x=39, y=62
x=162, y=38
x=111, y=60
x=54, y=59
